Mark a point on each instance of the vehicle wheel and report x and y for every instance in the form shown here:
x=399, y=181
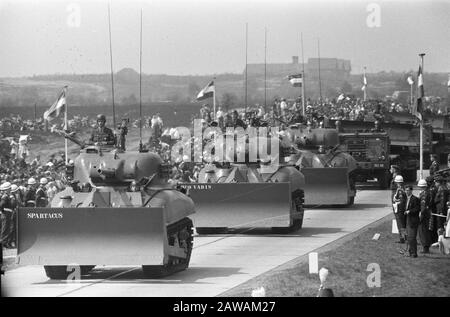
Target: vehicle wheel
x=62, y=272
x=183, y=231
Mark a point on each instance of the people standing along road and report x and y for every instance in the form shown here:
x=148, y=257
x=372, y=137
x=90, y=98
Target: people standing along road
x=441, y=200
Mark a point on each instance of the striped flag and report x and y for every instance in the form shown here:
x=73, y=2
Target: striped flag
x=420, y=95
x=296, y=80
x=58, y=106
x=206, y=92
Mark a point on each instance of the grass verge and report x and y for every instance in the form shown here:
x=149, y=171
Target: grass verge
x=348, y=258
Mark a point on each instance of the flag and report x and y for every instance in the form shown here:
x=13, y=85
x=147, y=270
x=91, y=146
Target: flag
x=341, y=97
x=364, y=82
x=420, y=94
x=296, y=80
x=410, y=80
x=58, y=107
x=206, y=92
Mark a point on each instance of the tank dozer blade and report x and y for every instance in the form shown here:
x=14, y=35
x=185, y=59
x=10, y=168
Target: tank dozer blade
x=91, y=236
x=326, y=186
x=236, y=207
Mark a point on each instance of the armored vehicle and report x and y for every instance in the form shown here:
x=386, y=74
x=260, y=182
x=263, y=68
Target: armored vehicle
x=118, y=210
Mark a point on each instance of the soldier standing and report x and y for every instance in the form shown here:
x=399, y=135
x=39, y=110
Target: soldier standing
x=6, y=214
x=424, y=216
x=41, y=193
x=399, y=204
x=434, y=167
x=440, y=200
x=29, y=197
x=102, y=135
x=122, y=135
x=432, y=224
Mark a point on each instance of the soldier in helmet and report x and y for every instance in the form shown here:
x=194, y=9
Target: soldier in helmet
x=102, y=135
x=41, y=193
x=424, y=216
x=432, y=223
x=29, y=197
x=399, y=204
x=6, y=214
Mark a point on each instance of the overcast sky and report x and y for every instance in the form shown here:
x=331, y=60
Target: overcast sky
x=205, y=37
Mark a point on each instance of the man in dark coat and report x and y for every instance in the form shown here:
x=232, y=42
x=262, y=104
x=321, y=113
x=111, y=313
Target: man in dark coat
x=102, y=135
x=412, y=210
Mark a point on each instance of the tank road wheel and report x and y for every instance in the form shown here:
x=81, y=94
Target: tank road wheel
x=298, y=212
x=180, y=232
x=62, y=272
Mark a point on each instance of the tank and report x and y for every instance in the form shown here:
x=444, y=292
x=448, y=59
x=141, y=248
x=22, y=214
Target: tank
x=118, y=210
x=244, y=195
x=328, y=172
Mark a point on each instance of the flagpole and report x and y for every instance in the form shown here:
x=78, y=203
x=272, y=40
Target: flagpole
x=365, y=86
x=140, y=89
x=214, y=102
x=265, y=70
x=112, y=72
x=303, y=77
x=246, y=63
x=320, y=82
x=66, y=149
x=421, y=126
x=412, y=100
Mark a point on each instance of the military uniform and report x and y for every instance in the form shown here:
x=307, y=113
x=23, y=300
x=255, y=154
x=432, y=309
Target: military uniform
x=6, y=217
x=440, y=200
x=29, y=198
x=41, y=197
x=424, y=219
x=400, y=217
x=434, y=167
x=105, y=136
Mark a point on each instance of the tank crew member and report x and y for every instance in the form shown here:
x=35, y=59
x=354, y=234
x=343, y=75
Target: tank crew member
x=122, y=135
x=412, y=209
x=424, y=216
x=399, y=204
x=41, y=193
x=29, y=197
x=102, y=134
x=434, y=167
x=6, y=214
x=440, y=200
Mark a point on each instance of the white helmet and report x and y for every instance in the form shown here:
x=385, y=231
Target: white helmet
x=43, y=181
x=422, y=183
x=5, y=186
x=14, y=188
x=398, y=179
x=31, y=181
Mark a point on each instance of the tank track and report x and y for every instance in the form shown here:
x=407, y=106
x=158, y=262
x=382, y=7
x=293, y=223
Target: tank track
x=181, y=232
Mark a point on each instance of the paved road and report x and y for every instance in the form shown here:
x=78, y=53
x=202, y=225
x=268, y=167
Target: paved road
x=218, y=263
